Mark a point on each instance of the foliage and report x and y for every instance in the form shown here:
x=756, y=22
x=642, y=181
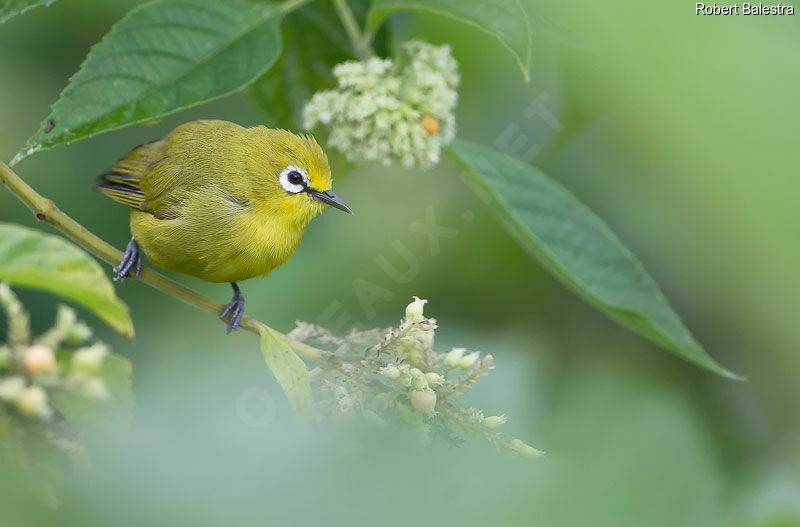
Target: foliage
x=30, y=258
x=224, y=47
x=290, y=371
x=576, y=247
x=12, y=8
x=506, y=21
x=165, y=56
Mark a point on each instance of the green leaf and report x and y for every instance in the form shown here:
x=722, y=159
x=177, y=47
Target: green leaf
x=289, y=370
x=164, y=56
x=573, y=244
x=506, y=21
x=12, y=8
x=92, y=417
x=31, y=258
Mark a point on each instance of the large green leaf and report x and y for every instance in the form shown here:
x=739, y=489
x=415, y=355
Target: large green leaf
x=12, y=8
x=30, y=258
x=577, y=247
x=289, y=370
x=164, y=56
x=506, y=21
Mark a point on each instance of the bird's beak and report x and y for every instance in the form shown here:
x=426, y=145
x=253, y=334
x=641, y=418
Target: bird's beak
x=331, y=199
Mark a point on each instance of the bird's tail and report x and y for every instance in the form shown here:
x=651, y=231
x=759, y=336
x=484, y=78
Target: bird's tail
x=122, y=183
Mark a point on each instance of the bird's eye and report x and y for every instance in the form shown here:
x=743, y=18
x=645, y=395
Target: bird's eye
x=293, y=179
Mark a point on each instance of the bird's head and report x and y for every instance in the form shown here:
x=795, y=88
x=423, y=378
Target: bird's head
x=298, y=179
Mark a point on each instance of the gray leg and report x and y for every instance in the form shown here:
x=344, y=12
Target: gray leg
x=132, y=257
x=235, y=309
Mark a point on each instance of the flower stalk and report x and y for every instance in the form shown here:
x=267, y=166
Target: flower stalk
x=359, y=41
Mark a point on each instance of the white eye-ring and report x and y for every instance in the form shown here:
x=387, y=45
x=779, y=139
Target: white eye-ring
x=293, y=179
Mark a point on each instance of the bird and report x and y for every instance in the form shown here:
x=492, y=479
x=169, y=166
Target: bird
x=220, y=202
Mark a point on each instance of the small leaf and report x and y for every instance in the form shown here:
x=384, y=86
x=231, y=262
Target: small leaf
x=573, y=244
x=92, y=417
x=12, y=8
x=31, y=258
x=506, y=21
x=164, y=56
x=289, y=370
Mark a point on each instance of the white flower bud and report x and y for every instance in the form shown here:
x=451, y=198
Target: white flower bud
x=414, y=310
x=89, y=360
x=468, y=361
x=454, y=357
x=434, y=379
x=423, y=401
x=418, y=379
x=493, y=422
x=525, y=450
x=39, y=359
x=95, y=388
x=32, y=402
x=11, y=387
x=390, y=372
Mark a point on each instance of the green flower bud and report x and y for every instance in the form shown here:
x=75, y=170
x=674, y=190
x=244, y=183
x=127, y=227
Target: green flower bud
x=32, y=402
x=493, y=422
x=468, y=361
x=89, y=360
x=418, y=379
x=454, y=357
x=423, y=401
x=78, y=334
x=390, y=372
x=434, y=379
x=524, y=450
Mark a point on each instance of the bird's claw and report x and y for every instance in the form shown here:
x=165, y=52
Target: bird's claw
x=235, y=309
x=132, y=257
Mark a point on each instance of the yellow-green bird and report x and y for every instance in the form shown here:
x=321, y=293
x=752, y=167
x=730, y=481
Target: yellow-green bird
x=220, y=202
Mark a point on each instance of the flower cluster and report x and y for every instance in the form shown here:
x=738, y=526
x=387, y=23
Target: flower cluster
x=30, y=375
x=400, y=374
x=391, y=111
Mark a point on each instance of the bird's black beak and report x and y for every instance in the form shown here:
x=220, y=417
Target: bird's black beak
x=330, y=198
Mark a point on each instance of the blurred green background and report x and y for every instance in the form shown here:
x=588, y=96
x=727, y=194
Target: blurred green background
x=680, y=131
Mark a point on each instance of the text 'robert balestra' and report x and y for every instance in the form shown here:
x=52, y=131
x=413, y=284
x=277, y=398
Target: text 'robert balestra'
x=744, y=9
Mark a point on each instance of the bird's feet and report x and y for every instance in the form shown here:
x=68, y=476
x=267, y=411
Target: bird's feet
x=132, y=261
x=235, y=309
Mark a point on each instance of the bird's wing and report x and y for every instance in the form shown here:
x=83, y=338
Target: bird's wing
x=123, y=182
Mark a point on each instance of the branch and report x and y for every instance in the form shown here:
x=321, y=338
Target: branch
x=46, y=210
